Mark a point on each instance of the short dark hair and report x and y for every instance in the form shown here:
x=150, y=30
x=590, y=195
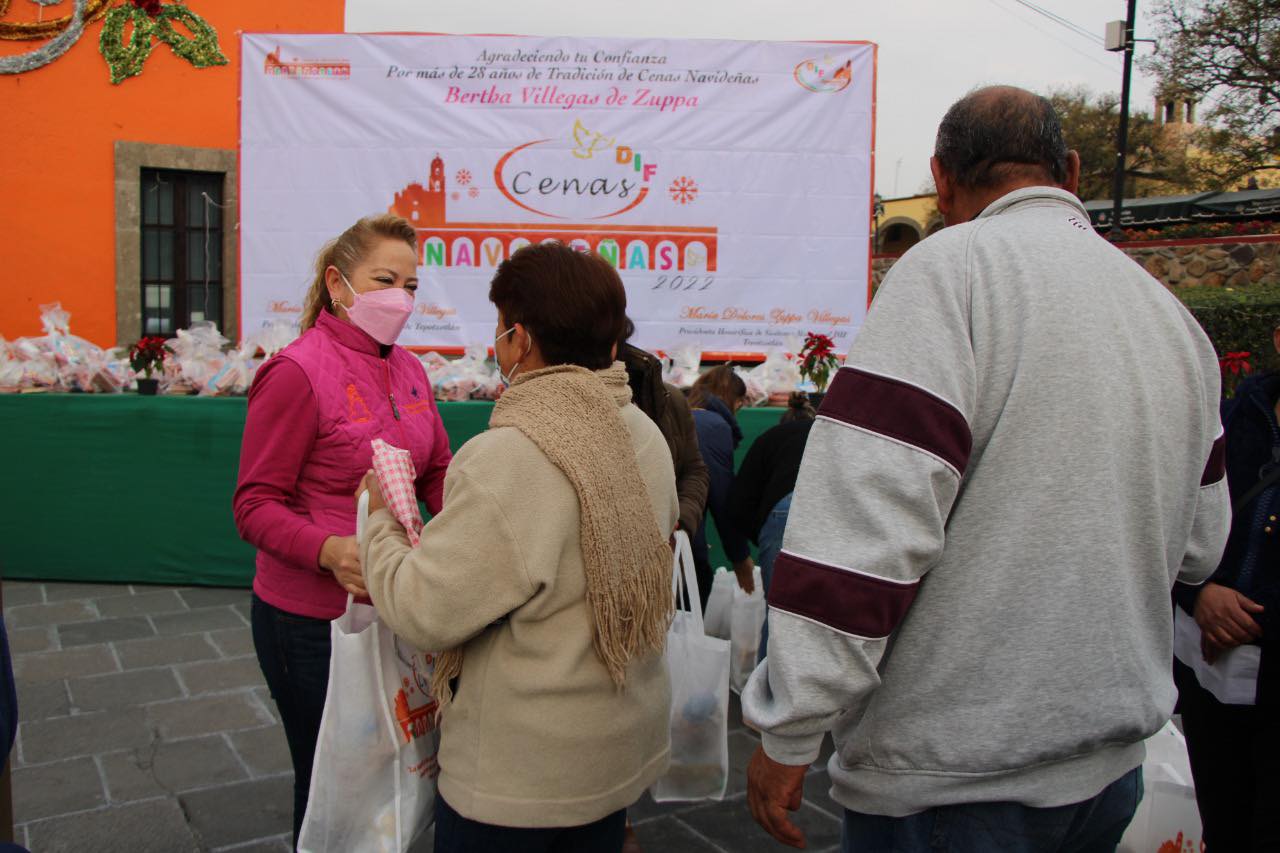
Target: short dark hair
x=993, y=134
x=573, y=303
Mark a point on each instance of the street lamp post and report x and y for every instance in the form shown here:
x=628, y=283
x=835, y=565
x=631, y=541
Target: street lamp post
x=1122, y=142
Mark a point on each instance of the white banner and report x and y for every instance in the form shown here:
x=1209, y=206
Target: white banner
x=729, y=182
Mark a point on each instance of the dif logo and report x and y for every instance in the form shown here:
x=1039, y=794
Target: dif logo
x=586, y=176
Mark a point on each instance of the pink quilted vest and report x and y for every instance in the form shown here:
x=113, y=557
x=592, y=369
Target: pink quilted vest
x=361, y=396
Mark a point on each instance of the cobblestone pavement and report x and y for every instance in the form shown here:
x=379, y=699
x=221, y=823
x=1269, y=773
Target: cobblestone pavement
x=146, y=726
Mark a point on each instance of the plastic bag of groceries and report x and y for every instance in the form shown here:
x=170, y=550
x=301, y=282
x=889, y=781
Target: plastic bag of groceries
x=436, y=367
x=197, y=357
x=778, y=375
x=746, y=622
x=698, y=667
x=488, y=384
x=756, y=394
x=682, y=366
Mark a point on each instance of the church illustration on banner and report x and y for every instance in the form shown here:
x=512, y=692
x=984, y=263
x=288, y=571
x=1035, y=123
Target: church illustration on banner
x=658, y=248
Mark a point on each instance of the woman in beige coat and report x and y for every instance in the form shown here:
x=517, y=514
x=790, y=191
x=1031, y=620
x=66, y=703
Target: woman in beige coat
x=546, y=577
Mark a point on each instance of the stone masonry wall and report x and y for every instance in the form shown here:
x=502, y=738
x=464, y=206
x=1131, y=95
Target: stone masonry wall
x=1222, y=262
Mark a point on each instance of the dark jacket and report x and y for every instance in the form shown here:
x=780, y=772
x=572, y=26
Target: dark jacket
x=666, y=406
x=768, y=474
x=718, y=437
x=1251, y=561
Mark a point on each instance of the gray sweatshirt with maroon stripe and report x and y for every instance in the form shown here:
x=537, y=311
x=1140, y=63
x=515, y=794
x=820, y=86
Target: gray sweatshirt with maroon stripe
x=1020, y=457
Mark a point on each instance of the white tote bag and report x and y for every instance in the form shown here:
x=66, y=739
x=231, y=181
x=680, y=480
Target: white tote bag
x=373, y=781
x=1167, y=818
x=698, y=666
x=720, y=603
x=745, y=625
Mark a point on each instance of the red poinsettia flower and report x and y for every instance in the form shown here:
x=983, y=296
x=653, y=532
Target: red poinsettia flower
x=1236, y=363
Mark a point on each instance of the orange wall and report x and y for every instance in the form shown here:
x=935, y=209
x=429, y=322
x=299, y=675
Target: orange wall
x=57, y=172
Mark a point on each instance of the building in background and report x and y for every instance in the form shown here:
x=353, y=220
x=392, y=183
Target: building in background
x=119, y=200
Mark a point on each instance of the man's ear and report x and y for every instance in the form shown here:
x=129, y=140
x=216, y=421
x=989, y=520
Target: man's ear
x=1275, y=339
x=945, y=188
x=1072, y=183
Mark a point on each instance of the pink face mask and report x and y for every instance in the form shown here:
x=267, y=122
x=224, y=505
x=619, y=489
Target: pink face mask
x=380, y=313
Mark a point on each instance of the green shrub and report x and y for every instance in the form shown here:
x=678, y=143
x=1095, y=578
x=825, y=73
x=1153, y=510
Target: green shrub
x=1238, y=319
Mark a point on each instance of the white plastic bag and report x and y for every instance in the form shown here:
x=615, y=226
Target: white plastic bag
x=1232, y=678
x=373, y=781
x=698, y=666
x=1167, y=819
x=720, y=603
x=745, y=625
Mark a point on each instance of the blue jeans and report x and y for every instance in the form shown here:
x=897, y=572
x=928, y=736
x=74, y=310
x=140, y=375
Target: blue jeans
x=1094, y=826
x=293, y=652
x=770, y=545
x=458, y=834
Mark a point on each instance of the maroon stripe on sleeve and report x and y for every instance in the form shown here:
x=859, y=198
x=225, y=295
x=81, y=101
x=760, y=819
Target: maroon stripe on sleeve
x=846, y=601
x=900, y=411
x=1216, y=468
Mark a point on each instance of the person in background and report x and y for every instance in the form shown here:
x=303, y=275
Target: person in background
x=761, y=496
x=716, y=397
x=1234, y=748
x=667, y=407
x=545, y=580
x=973, y=590
x=313, y=410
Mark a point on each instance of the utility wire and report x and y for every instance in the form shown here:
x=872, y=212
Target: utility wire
x=1095, y=60
x=1061, y=21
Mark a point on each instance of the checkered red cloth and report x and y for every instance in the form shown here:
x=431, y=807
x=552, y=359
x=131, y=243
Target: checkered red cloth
x=394, y=468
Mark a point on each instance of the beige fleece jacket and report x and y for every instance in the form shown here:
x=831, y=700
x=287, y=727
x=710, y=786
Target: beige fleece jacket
x=537, y=734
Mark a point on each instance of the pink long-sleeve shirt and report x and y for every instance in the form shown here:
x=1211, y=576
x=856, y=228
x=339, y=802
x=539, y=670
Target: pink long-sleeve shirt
x=314, y=410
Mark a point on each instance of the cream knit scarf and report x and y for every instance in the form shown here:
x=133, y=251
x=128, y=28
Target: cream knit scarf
x=571, y=414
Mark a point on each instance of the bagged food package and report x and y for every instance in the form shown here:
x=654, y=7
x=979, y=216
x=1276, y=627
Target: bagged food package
x=698, y=666
x=756, y=394
x=196, y=357
x=681, y=367
x=488, y=384
x=269, y=340
x=778, y=375
x=59, y=360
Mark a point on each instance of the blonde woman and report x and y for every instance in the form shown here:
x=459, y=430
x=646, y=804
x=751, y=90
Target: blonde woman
x=313, y=410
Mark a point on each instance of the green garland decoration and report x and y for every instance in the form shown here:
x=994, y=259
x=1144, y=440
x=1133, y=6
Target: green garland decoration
x=125, y=61
x=201, y=50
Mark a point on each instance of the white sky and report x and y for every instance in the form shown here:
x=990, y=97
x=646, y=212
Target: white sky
x=931, y=51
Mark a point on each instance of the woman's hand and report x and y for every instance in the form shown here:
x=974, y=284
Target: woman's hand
x=370, y=484
x=1226, y=619
x=340, y=555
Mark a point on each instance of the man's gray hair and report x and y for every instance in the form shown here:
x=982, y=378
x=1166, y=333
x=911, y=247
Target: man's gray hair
x=995, y=133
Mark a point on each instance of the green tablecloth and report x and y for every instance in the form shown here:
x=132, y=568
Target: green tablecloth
x=129, y=489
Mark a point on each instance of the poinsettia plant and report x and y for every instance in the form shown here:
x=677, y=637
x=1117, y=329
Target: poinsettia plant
x=818, y=359
x=1235, y=367
x=148, y=354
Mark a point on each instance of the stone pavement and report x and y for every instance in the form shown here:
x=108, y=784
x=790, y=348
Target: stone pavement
x=146, y=726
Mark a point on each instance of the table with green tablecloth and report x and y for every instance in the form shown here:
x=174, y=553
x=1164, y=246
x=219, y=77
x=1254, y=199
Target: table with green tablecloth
x=129, y=489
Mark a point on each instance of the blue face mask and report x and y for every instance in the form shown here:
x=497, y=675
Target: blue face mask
x=506, y=380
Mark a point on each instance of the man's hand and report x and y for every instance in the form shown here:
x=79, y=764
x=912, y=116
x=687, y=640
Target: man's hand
x=340, y=555
x=745, y=570
x=1225, y=619
x=774, y=789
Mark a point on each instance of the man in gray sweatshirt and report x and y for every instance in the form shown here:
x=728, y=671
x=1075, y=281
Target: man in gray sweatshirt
x=1020, y=456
